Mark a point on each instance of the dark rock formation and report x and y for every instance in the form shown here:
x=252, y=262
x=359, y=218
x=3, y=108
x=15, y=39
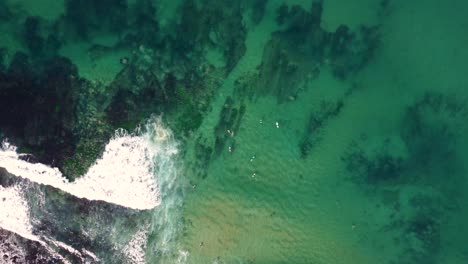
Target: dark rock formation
x=213, y=24
x=374, y=165
x=41, y=44
x=37, y=106
x=229, y=122
x=5, y=12
x=257, y=10
x=296, y=53
x=350, y=51
x=2, y=59
x=91, y=16
x=77, y=222
x=317, y=121
x=64, y=120
x=16, y=249
x=436, y=118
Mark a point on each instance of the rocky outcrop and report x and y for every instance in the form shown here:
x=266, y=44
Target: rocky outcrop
x=296, y=53
x=83, y=225
x=64, y=120
x=37, y=103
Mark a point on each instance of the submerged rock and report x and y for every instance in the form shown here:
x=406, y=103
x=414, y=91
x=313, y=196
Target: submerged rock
x=296, y=53
x=63, y=227
x=229, y=122
x=317, y=121
x=37, y=106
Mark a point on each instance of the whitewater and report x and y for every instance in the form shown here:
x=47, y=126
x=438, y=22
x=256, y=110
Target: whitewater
x=127, y=173
x=137, y=171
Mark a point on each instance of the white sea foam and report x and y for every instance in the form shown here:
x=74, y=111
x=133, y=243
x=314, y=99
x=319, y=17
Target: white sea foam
x=125, y=175
x=91, y=254
x=136, y=170
x=15, y=218
x=135, y=249
x=183, y=256
x=15, y=212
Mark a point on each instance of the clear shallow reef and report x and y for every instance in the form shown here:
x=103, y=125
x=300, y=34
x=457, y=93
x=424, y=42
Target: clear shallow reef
x=302, y=131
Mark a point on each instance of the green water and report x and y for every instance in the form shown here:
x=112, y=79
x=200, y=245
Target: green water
x=384, y=178
x=279, y=208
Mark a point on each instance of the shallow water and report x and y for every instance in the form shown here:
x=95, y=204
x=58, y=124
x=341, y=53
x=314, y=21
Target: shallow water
x=280, y=208
x=369, y=168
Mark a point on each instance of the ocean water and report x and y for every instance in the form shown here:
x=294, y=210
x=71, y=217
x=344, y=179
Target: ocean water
x=279, y=208
x=366, y=169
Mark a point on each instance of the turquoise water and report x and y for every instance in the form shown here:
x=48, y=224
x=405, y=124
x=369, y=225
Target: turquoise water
x=281, y=208
x=306, y=145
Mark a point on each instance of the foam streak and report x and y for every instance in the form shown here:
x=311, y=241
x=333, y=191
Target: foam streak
x=125, y=175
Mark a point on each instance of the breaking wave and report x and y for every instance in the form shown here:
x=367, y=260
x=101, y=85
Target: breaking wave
x=15, y=218
x=126, y=175
x=137, y=171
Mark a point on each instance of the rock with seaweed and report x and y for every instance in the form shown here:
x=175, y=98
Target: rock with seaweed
x=317, y=121
x=209, y=147
x=149, y=85
x=86, y=17
x=377, y=161
x=420, y=225
x=171, y=75
x=439, y=119
x=33, y=39
x=228, y=124
x=143, y=26
x=41, y=38
x=5, y=12
x=163, y=77
x=159, y=76
x=49, y=112
x=293, y=55
x=350, y=51
x=320, y=116
x=3, y=53
x=16, y=249
x=416, y=225
x=211, y=24
x=435, y=118
x=203, y=154
x=258, y=8
x=301, y=47
x=76, y=223
x=37, y=105
x=422, y=164
x=424, y=224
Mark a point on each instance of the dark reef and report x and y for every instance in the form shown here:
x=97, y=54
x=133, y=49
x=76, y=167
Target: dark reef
x=228, y=125
x=37, y=103
x=294, y=55
x=64, y=120
x=428, y=157
x=66, y=226
x=317, y=121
